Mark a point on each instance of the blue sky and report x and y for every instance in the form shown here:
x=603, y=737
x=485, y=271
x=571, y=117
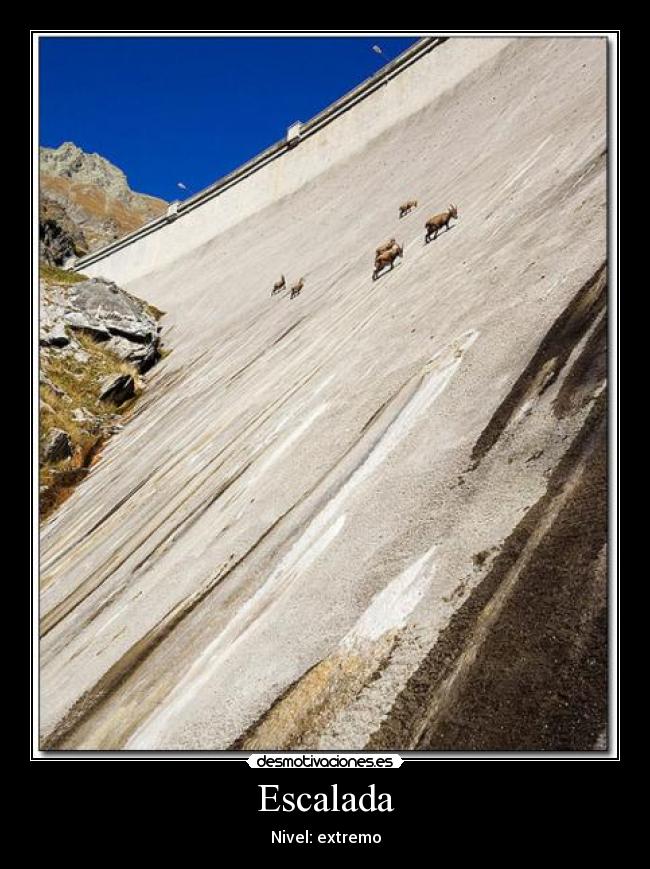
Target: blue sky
x=176, y=109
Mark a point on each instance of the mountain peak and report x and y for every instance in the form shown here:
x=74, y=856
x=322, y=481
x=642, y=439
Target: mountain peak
x=89, y=200
x=70, y=161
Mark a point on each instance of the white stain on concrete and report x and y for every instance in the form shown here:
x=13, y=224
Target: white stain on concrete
x=261, y=469
x=303, y=554
x=527, y=165
x=323, y=528
x=390, y=608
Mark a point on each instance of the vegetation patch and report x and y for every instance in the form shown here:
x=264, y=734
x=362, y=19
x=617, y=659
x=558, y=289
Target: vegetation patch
x=69, y=401
x=55, y=275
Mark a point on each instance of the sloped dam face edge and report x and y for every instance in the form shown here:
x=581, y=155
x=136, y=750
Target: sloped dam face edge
x=523, y=663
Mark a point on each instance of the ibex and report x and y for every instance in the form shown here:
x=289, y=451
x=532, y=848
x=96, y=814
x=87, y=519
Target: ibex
x=434, y=224
x=296, y=289
x=384, y=247
x=278, y=285
x=388, y=257
x=407, y=206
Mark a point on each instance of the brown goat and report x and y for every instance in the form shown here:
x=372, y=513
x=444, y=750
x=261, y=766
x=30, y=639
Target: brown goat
x=434, y=224
x=384, y=247
x=407, y=206
x=278, y=285
x=387, y=258
x=296, y=289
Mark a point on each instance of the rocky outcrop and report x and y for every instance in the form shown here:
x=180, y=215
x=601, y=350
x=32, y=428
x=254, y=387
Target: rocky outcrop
x=58, y=446
x=86, y=202
x=96, y=340
x=118, y=389
x=106, y=312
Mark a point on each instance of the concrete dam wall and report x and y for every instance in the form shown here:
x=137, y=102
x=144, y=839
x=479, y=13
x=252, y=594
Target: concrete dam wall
x=373, y=515
x=404, y=87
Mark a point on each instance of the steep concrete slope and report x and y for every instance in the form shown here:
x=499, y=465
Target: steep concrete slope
x=373, y=514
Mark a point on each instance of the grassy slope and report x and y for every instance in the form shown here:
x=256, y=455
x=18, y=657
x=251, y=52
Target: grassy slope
x=78, y=381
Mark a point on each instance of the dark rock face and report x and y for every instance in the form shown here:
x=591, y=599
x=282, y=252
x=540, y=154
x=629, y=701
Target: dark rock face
x=145, y=358
x=59, y=237
x=58, y=446
x=117, y=390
